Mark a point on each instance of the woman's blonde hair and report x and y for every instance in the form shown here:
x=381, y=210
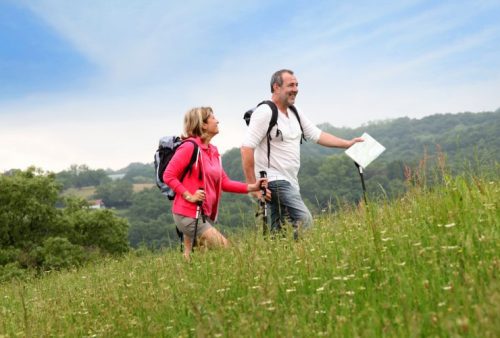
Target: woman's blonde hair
x=193, y=122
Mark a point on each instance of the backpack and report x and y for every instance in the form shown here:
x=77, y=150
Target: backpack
x=274, y=121
x=166, y=150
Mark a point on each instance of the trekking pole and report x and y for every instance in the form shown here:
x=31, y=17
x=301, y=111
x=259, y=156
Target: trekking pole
x=360, y=170
x=199, y=211
x=263, y=205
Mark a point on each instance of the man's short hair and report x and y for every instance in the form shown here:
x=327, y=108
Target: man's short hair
x=278, y=78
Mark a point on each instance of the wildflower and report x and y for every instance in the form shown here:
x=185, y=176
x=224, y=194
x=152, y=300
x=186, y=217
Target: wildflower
x=450, y=247
x=450, y=225
x=463, y=323
x=426, y=284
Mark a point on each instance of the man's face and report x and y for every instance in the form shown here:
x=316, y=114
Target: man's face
x=288, y=90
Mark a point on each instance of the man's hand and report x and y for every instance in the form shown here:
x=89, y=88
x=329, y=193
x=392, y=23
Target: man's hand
x=355, y=140
x=258, y=194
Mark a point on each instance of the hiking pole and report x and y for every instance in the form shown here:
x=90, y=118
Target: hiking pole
x=263, y=205
x=360, y=170
x=199, y=211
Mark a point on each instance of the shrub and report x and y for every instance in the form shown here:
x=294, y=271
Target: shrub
x=59, y=252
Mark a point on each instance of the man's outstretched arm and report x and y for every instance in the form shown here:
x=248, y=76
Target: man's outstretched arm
x=329, y=140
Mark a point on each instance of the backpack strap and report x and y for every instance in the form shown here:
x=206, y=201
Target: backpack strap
x=274, y=121
x=294, y=110
x=192, y=161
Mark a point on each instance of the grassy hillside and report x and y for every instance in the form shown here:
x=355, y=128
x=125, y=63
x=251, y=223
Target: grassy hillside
x=423, y=265
x=88, y=192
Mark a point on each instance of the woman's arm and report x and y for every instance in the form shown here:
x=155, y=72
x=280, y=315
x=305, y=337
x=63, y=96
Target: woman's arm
x=176, y=166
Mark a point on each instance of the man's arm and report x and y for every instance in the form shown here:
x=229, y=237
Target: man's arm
x=328, y=140
x=248, y=164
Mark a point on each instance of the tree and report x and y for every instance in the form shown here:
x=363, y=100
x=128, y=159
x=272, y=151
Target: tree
x=79, y=176
x=36, y=234
x=27, y=207
x=115, y=194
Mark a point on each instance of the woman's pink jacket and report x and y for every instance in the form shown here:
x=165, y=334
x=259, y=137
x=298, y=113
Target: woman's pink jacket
x=209, y=161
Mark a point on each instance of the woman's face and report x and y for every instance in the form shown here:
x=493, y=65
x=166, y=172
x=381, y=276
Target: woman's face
x=211, y=127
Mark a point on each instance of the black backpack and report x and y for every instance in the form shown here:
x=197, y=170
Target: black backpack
x=166, y=150
x=274, y=121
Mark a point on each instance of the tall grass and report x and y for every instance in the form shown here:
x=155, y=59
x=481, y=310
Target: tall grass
x=424, y=265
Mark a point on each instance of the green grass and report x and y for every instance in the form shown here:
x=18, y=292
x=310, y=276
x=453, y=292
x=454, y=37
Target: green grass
x=422, y=266
x=85, y=192
x=88, y=192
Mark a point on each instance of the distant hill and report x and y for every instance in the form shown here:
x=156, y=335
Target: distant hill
x=406, y=138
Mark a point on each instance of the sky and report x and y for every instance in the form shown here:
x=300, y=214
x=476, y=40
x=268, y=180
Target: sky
x=99, y=82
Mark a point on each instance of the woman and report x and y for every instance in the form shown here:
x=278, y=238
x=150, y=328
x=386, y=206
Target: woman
x=204, y=183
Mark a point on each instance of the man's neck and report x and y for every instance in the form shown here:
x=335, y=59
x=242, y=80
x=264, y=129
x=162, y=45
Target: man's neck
x=281, y=106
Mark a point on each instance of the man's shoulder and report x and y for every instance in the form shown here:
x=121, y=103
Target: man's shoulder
x=262, y=114
x=263, y=108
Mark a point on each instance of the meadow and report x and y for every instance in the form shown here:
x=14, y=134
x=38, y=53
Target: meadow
x=423, y=265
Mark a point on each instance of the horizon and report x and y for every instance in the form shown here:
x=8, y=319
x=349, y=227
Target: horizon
x=115, y=171
x=99, y=85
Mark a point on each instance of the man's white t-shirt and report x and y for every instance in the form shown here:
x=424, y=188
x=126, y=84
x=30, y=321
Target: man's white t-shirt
x=285, y=148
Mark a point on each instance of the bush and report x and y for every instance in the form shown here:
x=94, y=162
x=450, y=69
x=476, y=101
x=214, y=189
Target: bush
x=8, y=255
x=59, y=252
x=11, y=271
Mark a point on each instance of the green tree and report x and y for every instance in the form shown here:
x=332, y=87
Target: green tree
x=27, y=207
x=151, y=221
x=115, y=194
x=79, y=176
x=36, y=234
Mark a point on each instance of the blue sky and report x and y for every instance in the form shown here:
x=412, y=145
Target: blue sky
x=98, y=82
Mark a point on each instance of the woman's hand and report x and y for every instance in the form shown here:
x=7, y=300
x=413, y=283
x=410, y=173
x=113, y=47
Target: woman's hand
x=198, y=196
x=258, y=186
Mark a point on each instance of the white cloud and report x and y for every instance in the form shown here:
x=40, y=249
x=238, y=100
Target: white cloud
x=355, y=63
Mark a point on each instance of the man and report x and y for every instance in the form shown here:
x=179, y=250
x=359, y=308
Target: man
x=283, y=164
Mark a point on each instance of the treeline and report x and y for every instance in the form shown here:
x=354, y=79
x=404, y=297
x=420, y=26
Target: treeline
x=328, y=178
